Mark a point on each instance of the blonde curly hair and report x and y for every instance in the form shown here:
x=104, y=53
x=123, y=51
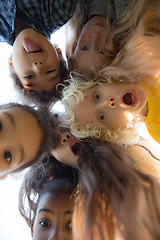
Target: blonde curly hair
x=73, y=95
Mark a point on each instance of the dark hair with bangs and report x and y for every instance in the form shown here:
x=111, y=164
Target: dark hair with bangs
x=44, y=98
x=46, y=122
x=36, y=184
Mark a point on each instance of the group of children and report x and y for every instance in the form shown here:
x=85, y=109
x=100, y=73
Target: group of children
x=112, y=60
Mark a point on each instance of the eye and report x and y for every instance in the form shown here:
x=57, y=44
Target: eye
x=69, y=226
x=44, y=223
x=1, y=127
x=101, y=117
x=50, y=71
x=84, y=48
x=96, y=96
x=29, y=76
x=7, y=156
x=101, y=51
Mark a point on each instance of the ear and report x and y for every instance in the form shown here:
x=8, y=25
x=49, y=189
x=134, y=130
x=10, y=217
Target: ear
x=3, y=177
x=59, y=52
x=10, y=62
x=123, y=128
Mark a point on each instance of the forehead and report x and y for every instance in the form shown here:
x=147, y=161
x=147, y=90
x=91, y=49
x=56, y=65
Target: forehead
x=58, y=201
x=26, y=132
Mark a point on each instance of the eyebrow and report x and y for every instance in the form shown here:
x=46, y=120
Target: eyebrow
x=13, y=124
x=20, y=148
x=50, y=211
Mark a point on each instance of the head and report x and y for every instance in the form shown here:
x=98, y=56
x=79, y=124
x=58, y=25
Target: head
x=88, y=53
x=23, y=136
x=35, y=63
x=68, y=149
x=104, y=101
x=49, y=188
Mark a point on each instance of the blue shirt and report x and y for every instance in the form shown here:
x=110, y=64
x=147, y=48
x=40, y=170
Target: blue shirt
x=44, y=16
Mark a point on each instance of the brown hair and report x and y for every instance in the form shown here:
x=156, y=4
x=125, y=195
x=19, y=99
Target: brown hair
x=115, y=199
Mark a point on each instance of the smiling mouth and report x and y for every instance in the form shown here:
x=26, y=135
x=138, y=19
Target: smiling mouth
x=76, y=148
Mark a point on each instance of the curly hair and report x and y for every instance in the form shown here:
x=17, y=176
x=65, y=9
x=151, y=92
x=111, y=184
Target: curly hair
x=65, y=180
x=44, y=98
x=46, y=123
x=116, y=199
x=73, y=95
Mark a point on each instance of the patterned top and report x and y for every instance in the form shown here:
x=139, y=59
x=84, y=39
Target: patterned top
x=44, y=16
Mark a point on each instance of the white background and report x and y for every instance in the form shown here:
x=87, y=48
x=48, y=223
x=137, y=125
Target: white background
x=12, y=225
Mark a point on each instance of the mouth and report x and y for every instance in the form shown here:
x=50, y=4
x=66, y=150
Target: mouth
x=31, y=47
x=130, y=98
x=76, y=148
x=99, y=24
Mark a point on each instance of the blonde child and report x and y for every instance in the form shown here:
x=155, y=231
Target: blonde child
x=87, y=49
x=127, y=91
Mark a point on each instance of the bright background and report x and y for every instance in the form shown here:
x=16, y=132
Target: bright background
x=12, y=225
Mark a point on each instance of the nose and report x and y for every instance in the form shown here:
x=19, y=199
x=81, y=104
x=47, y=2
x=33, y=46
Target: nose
x=95, y=35
x=37, y=64
x=55, y=234
x=65, y=138
x=110, y=103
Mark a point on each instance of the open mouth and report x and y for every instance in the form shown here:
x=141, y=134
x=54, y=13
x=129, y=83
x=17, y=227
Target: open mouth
x=130, y=98
x=76, y=148
x=31, y=47
x=99, y=24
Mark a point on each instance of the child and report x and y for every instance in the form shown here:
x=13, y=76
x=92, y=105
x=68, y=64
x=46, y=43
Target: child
x=47, y=200
x=25, y=135
x=87, y=51
x=145, y=153
x=113, y=188
x=137, y=63
x=35, y=64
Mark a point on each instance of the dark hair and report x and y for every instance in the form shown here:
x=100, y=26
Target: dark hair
x=36, y=184
x=115, y=197
x=44, y=98
x=46, y=123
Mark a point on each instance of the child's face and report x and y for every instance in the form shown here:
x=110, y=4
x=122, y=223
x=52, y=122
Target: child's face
x=35, y=61
x=53, y=217
x=68, y=150
x=20, y=138
x=112, y=105
x=91, y=44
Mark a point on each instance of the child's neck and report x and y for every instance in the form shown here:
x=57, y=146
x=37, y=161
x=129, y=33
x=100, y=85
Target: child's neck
x=19, y=26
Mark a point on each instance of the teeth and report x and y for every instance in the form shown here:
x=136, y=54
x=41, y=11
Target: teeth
x=72, y=144
x=132, y=97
